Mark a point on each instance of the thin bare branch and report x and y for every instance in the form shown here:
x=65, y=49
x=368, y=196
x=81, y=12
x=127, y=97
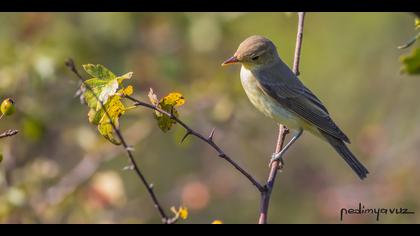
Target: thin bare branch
x=208, y=140
x=165, y=219
x=8, y=133
x=283, y=131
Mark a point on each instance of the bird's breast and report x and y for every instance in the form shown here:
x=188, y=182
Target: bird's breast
x=264, y=103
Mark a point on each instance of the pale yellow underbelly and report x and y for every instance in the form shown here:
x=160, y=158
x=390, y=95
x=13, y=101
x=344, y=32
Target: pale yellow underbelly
x=269, y=107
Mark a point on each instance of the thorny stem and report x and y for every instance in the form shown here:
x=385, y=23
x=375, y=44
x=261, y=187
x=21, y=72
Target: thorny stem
x=283, y=131
x=208, y=140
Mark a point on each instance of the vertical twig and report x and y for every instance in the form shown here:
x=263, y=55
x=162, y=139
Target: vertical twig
x=283, y=131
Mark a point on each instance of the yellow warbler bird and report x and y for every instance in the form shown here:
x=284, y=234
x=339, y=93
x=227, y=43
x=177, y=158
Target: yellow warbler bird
x=278, y=93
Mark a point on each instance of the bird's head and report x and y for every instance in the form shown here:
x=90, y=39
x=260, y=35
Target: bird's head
x=254, y=52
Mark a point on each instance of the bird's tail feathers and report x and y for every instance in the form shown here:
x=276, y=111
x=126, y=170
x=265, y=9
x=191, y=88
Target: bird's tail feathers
x=347, y=155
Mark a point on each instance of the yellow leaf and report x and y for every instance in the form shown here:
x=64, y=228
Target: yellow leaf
x=115, y=109
x=128, y=90
x=173, y=99
x=121, y=78
x=95, y=116
x=168, y=104
x=216, y=222
x=182, y=212
x=106, y=130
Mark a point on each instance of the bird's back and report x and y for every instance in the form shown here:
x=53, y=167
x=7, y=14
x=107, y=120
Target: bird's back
x=283, y=86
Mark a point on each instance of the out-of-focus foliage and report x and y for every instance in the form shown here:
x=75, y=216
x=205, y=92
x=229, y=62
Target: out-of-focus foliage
x=411, y=63
x=59, y=170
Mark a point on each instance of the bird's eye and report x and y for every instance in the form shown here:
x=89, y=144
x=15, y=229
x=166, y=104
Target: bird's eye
x=255, y=58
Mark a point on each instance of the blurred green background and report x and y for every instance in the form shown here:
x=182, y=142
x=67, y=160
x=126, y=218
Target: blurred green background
x=58, y=169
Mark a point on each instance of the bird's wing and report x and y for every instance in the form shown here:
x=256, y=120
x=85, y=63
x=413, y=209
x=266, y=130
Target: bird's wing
x=293, y=95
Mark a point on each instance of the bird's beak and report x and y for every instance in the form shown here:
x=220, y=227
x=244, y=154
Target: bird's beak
x=229, y=61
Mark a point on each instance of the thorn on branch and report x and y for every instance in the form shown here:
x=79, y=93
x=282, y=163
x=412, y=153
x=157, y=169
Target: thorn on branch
x=210, y=138
x=129, y=167
x=222, y=155
x=186, y=135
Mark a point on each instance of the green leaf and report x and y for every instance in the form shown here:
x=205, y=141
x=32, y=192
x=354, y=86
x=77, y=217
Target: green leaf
x=1, y=157
x=121, y=78
x=95, y=116
x=168, y=104
x=102, y=88
x=99, y=71
x=411, y=63
x=104, y=85
x=106, y=130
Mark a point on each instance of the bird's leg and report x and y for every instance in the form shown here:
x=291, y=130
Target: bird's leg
x=279, y=155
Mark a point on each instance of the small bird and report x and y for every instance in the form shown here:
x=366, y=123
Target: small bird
x=278, y=93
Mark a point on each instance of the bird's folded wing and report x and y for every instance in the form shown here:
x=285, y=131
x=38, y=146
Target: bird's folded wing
x=293, y=95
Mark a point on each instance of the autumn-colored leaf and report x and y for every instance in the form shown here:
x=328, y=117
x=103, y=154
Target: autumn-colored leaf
x=181, y=212
x=173, y=99
x=95, y=116
x=153, y=97
x=106, y=130
x=115, y=109
x=128, y=90
x=168, y=104
x=121, y=78
x=104, y=86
